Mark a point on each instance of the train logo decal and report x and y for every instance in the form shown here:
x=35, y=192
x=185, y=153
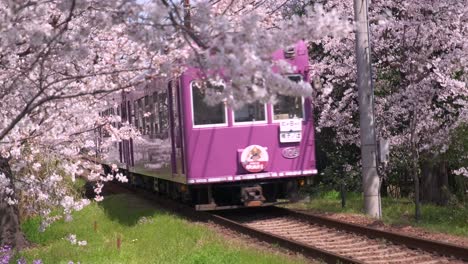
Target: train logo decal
x=290, y=153
x=254, y=158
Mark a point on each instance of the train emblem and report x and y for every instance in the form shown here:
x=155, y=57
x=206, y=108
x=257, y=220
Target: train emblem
x=254, y=158
x=290, y=153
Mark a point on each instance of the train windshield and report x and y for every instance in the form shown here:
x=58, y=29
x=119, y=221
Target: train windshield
x=288, y=106
x=250, y=113
x=204, y=114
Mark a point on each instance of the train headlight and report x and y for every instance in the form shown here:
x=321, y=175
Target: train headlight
x=301, y=182
x=289, y=52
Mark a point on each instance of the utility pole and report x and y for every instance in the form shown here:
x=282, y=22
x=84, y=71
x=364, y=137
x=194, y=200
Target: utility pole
x=370, y=177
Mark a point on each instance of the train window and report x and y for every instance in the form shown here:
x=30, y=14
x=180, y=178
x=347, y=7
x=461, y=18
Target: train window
x=204, y=114
x=123, y=111
x=140, y=102
x=163, y=125
x=143, y=120
x=155, y=98
x=135, y=114
x=254, y=112
x=139, y=119
x=287, y=107
x=129, y=113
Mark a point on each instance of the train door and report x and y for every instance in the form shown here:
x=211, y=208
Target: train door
x=176, y=128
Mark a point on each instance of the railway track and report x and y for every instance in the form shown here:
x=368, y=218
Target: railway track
x=329, y=240
x=339, y=241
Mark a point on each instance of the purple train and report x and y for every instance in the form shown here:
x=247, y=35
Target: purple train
x=215, y=157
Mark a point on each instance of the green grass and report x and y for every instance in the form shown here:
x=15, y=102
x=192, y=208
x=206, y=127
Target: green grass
x=446, y=219
x=148, y=235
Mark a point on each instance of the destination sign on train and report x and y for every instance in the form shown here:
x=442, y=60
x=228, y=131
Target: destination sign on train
x=290, y=130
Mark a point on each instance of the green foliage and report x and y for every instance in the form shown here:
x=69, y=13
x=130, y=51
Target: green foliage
x=387, y=81
x=148, y=235
x=457, y=157
x=447, y=219
x=78, y=187
x=398, y=176
x=338, y=164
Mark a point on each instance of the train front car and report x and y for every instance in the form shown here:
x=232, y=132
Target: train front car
x=254, y=156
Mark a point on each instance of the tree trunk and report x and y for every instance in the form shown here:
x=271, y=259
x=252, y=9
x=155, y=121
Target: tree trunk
x=10, y=232
x=343, y=194
x=417, y=213
x=384, y=188
x=430, y=190
x=415, y=167
x=444, y=183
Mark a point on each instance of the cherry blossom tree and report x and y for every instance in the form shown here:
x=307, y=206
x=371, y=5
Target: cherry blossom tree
x=60, y=59
x=419, y=56
x=56, y=59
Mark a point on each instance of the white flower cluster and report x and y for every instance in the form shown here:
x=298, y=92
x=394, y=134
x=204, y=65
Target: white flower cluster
x=145, y=220
x=6, y=191
x=98, y=190
x=74, y=241
x=462, y=172
x=68, y=203
x=36, y=166
x=121, y=178
x=48, y=220
x=73, y=169
x=240, y=51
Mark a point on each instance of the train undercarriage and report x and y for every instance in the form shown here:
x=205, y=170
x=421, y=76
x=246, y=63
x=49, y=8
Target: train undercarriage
x=220, y=196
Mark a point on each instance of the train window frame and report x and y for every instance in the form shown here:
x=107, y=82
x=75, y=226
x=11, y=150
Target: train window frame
x=226, y=121
x=302, y=102
x=259, y=122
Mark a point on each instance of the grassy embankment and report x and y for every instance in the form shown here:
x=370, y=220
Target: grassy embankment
x=148, y=235
x=446, y=219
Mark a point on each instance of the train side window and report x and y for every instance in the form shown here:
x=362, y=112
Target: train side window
x=123, y=111
x=287, y=107
x=254, y=112
x=204, y=114
x=142, y=116
x=129, y=113
x=135, y=114
x=139, y=119
x=163, y=119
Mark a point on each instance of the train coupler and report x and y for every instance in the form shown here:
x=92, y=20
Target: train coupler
x=252, y=196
